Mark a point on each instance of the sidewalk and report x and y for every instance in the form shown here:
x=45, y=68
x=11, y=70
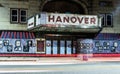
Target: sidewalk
x=53, y=60
x=38, y=60
x=104, y=59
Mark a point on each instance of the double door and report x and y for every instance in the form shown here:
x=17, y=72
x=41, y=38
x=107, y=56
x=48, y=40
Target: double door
x=60, y=47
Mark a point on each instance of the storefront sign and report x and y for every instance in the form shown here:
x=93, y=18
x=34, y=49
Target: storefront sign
x=71, y=19
x=37, y=19
x=63, y=20
x=31, y=22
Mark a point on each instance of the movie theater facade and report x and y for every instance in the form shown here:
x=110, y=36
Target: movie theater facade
x=63, y=34
x=59, y=27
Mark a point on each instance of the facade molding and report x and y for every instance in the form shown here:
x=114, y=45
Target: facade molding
x=82, y=3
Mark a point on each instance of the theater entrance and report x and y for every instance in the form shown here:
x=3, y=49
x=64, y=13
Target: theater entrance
x=60, y=45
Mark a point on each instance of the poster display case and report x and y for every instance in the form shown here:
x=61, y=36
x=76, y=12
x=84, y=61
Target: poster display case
x=6, y=42
x=106, y=46
x=40, y=45
x=9, y=48
x=17, y=46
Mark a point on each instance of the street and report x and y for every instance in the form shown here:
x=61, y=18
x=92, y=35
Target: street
x=81, y=68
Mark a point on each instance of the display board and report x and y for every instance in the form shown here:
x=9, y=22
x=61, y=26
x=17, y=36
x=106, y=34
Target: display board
x=8, y=45
x=40, y=45
x=106, y=46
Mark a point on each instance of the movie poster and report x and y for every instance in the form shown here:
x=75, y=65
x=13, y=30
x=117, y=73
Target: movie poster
x=40, y=46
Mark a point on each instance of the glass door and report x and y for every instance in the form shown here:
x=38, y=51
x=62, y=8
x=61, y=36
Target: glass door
x=48, y=46
x=62, y=47
x=69, y=49
x=74, y=47
x=55, y=47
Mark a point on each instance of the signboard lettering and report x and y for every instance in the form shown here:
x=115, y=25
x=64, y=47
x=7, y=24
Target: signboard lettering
x=72, y=20
x=31, y=22
x=63, y=20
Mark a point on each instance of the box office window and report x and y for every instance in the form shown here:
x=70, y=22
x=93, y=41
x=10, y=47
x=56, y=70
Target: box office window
x=18, y=15
x=107, y=20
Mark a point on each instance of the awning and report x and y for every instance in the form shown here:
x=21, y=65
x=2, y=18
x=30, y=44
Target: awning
x=110, y=36
x=63, y=30
x=17, y=35
x=58, y=23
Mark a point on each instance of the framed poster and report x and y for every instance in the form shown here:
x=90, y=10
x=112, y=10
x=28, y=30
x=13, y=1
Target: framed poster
x=17, y=43
x=106, y=43
x=40, y=45
x=100, y=48
x=115, y=44
x=9, y=48
x=29, y=43
x=113, y=49
x=97, y=44
x=25, y=48
x=6, y=42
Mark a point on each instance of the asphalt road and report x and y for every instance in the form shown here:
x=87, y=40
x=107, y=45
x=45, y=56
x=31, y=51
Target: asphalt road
x=83, y=68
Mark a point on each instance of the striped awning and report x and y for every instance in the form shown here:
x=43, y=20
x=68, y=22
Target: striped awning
x=17, y=35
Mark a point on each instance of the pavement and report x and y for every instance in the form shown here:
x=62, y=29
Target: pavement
x=54, y=60
x=37, y=60
x=59, y=65
x=105, y=59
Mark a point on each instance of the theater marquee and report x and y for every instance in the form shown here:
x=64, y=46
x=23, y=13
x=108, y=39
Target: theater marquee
x=56, y=20
x=69, y=19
